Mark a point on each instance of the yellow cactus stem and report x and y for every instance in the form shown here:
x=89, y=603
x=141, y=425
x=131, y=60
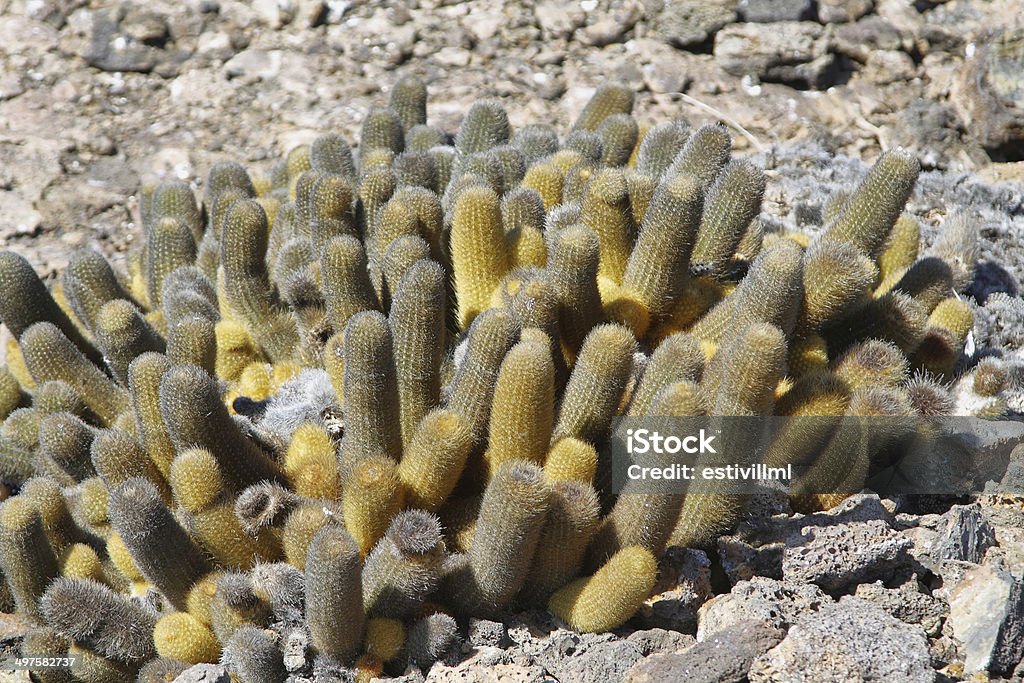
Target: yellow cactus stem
x=480, y=253
x=311, y=463
x=571, y=459
x=180, y=635
x=610, y=597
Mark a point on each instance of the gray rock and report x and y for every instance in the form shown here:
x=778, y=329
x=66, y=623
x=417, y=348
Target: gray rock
x=792, y=52
x=907, y=604
x=934, y=133
x=859, y=39
x=755, y=549
x=204, y=673
x=986, y=612
x=777, y=603
x=835, y=557
x=607, y=661
x=838, y=11
x=686, y=23
x=967, y=535
x=486, y=633
x=658, y=641
x=725, y=657
x=776, y=10
x=684, y=585
x=990, y=94
x=558, y=18
x=112, y=50
x=851, y=641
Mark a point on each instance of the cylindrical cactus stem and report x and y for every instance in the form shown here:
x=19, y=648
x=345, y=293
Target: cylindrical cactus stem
x=595, y=386
x=405, y=567
x=901, y=250
x=484, y=126
x=605, y=210
x=64, y=442
x=11, y=394
x=570, y=524
x=247, y=283
x=869, y=214
x=311, y=463
x=618, y=133
x=48, y=498
x=571, y=459
x=609, y=99
x=574, y=265
x=193, y=341
x=255, y=656
x=547, y=180
x=331, y=209
x=27, y=301
x=382, y=129
x=733, y=201
x=872, y=362
x=610, y=597
x=417, y=322
x=170, y=244
x=195, y=417
x=334, y=600
x=408, y=100
x=122, y=333
x=944, y=337
x=43, y=641
x=656, y=270
x=235, y=604
x=181, y=636
x=28, y=561
x=522, y=415
x=895, y=317
x=480, y=251
x=430, y=638
x=660, y=146
x=302, y=524
x=837, y=277
x=224, y=175
x=400, y=257
x=144, y=376
x=372, y=497
x=50, y=355
x=508, y=528
x=370, y=401
x=704, y=155
x=93, y=615
x=677, y=358
x=434, y=458
x=158, y=546
x=929, y=281
x=331, y=154
x=490, y=338
x=346, y=281
x=89, y=282
x=770, y=293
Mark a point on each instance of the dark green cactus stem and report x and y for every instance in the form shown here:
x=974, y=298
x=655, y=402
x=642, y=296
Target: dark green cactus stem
x=573, y=267
x=408, y=99
x=660, y=146
x=174, y=199
x=187, y=292
x=508, y=528
x=770, y=293
x=929, y=281
x=123, y=334
x=677, y=358
x=334, y=600
x=346, y=282
x=93, y=615
x=28, y=561
x=375, y=189
x=609, y=99
x=588, y=144
x=332, y=212
x=50, y=355
x=868, y=216
x=536, y=141
x=570, y=524
x=225, y=175
x=656, y=270
x=417, y=322
x=17, y=461
x=733, y=201
x=27, y=301
x=704, y=155
x=490, y=337
x=371, y=400
x=117, y=458
x=405, y=566
x=247, y=284
x=422, y=138
x=416, y=169
x=382, y=129
x=169, y=246
x=330, y=154
x=56, y=396
x=89, y=282
x=401, y=255
x=596, y=384
x=192, y=342
x=618, y=133
x=64, y=442
x=196, y=418
x=430, y=638
x=255, y=656
x=484, y=126
x=894, y=317
x=158, y=546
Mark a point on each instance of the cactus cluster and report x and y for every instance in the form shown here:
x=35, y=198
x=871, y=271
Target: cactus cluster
x=365, y=397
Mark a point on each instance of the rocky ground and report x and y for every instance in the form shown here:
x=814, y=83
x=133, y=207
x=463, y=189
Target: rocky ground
x=98, y=97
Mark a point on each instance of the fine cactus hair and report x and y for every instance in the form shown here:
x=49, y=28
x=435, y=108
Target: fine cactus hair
x=368, y=393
